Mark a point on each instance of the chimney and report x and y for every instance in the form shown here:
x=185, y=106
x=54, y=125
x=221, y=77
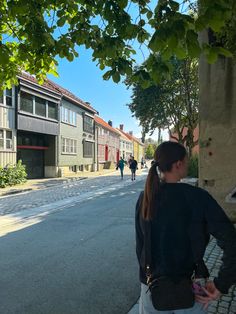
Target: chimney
x=121, y=127
x=131, y=133
x=110, y=122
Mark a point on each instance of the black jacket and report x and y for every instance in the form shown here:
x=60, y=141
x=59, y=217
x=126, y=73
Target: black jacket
x=186, y=217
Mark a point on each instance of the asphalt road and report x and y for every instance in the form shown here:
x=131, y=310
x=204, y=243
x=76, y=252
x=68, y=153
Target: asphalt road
x=80, y=259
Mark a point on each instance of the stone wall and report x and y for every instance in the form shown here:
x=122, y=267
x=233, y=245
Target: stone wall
x=217, y=114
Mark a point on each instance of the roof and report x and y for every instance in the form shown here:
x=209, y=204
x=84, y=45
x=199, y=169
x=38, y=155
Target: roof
x=67, y=94
x=104, y=124
x=48, y=84
x=131, y=137
x=27, y=77
x=123, y=135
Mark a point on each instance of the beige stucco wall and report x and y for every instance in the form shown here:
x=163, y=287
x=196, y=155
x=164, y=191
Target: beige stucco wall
x=217, y=158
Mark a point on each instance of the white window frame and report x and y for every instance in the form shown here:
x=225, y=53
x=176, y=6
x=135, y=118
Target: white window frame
x=7, y=140
x=4, y=96
x=68, y=116
x=68, y=146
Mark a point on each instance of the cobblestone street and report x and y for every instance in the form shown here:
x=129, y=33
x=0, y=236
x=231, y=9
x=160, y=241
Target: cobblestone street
x=227, y=303
x=74, y=188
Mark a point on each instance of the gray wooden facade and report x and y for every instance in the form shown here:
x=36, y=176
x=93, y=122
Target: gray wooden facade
x=74, y=159
x=53, y=131
x=7, y=128
x=37, y=131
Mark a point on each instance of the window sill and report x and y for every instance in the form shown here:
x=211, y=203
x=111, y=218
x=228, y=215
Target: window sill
x=67, y=123
x=37, y=116
x=8, y=107
x=7, y=150
x=71, y=154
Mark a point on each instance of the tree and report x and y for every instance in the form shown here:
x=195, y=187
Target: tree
x=149, y=151
x=34, y=33
x=171, y=104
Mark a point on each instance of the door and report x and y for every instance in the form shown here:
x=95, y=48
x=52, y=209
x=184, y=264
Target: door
x=34, y=162
x=106, y=153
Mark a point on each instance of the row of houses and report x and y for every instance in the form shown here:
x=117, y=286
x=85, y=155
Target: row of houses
x=55, y=133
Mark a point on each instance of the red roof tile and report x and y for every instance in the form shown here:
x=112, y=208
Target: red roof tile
x=131, y=137
x=103, y=123
x=59, y=89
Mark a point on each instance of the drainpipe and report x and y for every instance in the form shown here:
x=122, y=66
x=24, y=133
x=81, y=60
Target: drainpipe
x=59, y=134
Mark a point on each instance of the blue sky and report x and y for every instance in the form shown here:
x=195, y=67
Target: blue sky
x=83, y=78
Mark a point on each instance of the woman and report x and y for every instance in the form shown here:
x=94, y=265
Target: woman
x=121, y=165
x=181, y=219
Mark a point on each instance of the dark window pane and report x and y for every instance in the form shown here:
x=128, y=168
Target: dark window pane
x=8, y=101
x=26, y=102
x=1, y=99
x=9, y=134
x=88, y=124
x=40, y=107
x=9, y=97
x=88, y=149
x=52, y=110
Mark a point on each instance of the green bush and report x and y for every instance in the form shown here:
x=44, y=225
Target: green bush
x=193, y=166
x=12, y=175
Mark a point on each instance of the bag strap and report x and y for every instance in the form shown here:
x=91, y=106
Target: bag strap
x=147, y=250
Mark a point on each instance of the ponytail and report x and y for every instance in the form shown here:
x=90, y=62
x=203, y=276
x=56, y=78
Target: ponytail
x=166, y=154
x=152, y=186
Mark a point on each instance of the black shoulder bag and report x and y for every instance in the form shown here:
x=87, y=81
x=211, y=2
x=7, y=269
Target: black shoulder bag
x=166, y=294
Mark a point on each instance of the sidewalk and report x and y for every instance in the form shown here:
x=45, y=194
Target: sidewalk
x=227, y=303
x=41, y=184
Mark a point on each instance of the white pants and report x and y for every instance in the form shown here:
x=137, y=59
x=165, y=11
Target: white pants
x=146, y=307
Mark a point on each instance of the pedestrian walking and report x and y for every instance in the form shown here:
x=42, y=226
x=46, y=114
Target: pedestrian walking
x=133, y=167
x=173, y=225
x=121, y=165
x=142, y=163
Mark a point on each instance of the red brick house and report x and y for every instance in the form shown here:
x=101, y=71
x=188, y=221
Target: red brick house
x=108, y=143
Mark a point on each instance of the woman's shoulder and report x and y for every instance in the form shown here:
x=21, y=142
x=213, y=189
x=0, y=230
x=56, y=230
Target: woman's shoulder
x=194, y=190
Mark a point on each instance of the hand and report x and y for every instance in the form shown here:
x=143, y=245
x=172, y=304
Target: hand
x=212, y=293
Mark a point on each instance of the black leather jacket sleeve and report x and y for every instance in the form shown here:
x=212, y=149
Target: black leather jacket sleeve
x=219, y=225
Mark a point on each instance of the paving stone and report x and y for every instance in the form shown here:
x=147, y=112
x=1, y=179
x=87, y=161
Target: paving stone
x=32, y=199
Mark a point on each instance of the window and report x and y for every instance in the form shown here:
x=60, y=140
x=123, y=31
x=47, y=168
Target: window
x=26, y=102
x=69, y=146
x=8, y=139
x=40, y=107
x=52, y=110
x=68, y=116
x=88, y=124
x=88, y=149
x=9, y=97
x=1, y=139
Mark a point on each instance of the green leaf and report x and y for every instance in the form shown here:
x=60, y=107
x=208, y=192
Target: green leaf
x=116, y=77
x=225, y=52
x=107, y=75
x=174, y=5
x=149, y=14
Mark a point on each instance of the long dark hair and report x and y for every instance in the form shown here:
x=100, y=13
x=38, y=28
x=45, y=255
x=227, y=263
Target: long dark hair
x=166, y=154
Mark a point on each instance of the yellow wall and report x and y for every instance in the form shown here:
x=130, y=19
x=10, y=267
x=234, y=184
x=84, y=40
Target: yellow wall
x=136, y=150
